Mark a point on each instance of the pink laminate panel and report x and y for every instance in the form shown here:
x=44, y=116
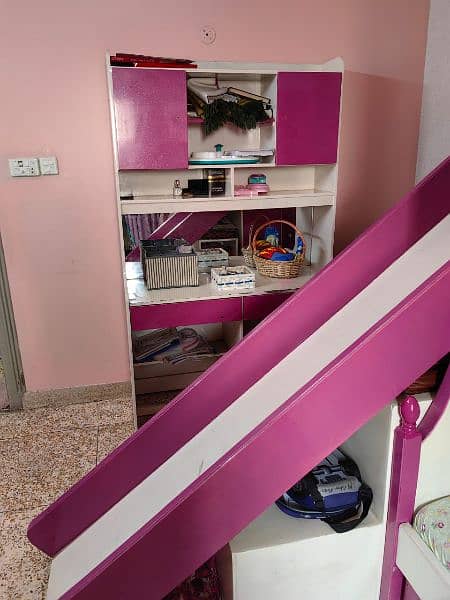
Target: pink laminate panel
x=189, y=226
x=151, y=119
x=409, y=593
x=258, y=307
x=293, y=322
x=185, y=313
x=245, y=481
x=308, y=106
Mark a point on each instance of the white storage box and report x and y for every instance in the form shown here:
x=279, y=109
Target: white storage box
x=233, y=278
x=211, y=257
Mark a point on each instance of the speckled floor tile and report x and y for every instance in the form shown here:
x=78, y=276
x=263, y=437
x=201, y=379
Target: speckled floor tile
x=110, y=436
x=9, y=451
x=113, y=412
x=48, y=419
x=73, y=416
x=45, y=465
x=23, y=569
x=42, y=452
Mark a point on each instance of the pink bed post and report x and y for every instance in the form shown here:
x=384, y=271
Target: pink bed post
x=404, y=474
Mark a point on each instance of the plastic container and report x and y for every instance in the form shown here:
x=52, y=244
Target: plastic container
x=257, y=178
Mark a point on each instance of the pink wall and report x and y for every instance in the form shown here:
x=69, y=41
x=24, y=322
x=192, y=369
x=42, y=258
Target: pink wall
x=60, y=233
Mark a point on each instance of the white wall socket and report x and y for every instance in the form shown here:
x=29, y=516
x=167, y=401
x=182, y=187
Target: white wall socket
x=24, y=167
x=48, y=165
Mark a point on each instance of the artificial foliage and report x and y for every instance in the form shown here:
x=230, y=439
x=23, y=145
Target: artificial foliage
x=243, y=114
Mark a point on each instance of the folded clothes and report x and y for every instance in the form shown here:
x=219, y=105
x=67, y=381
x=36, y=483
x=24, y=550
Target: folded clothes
x=170, y=345
x=152, y=343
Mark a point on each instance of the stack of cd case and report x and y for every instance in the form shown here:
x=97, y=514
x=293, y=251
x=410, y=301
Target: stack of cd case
x=169, y=263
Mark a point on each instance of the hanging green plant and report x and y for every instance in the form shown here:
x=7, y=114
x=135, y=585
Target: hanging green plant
x=244, y=115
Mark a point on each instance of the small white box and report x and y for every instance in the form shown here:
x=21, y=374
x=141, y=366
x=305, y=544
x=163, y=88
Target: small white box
x=211, y=257
x=233, y=278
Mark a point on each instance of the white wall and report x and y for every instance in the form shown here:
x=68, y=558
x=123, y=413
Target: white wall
x=434, y=140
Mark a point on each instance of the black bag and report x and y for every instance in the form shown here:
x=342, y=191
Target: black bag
x=333, y=492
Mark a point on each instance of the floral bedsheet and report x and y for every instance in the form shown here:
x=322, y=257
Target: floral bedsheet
x=432, y=523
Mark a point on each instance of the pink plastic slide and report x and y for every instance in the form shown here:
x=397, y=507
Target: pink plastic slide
x=191, y=527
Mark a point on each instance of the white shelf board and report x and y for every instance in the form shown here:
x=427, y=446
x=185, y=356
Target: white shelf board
x=259, y=67
x=273, y=528
x=259, y=165
x=250, y=69
x=139, y=295
x=276, y=199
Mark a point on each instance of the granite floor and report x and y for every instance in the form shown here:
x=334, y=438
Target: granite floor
x=42, y=452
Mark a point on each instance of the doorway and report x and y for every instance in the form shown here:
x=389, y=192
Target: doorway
x=12, y=384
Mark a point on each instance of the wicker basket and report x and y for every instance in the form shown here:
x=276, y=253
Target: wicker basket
x=425, y=383
x=247, y=253
x=279, y=269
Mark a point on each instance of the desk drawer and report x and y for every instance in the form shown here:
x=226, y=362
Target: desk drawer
x=258, y=307
x=176, y=314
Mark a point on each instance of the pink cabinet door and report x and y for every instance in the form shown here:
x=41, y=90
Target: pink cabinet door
x=259, y=306
x=151, y=118
x=308, y=106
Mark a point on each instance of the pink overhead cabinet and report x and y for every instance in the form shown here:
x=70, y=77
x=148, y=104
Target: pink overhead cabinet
x=308, y=106
x=151, y=118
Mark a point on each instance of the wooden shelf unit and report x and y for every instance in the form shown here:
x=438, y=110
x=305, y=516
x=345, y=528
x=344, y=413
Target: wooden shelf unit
x=153, y=140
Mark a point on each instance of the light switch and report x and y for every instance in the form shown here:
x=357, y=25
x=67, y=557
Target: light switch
x=48, y=165
x=23, y=167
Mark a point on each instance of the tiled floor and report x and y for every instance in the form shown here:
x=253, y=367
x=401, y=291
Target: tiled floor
x=43, y=452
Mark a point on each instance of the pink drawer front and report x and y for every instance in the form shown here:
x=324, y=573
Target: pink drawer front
x=258, y=307
x=185, y=313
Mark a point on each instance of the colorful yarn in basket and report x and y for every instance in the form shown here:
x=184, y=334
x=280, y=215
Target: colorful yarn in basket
x=278, y=262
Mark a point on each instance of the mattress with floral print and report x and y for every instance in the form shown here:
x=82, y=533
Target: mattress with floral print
x=432, y=523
